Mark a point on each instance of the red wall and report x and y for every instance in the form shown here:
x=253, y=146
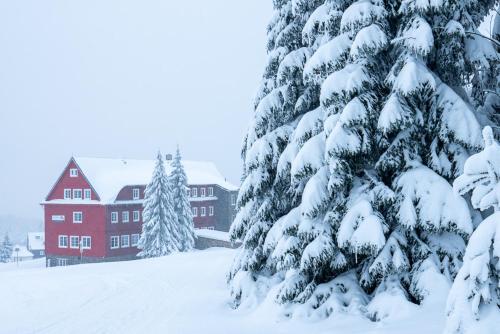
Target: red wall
x=121, y=228
x=67, y=182
x=93, y=225
x=207, y=221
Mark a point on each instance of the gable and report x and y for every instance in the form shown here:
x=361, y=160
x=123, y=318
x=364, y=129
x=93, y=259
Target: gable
x=67, y=181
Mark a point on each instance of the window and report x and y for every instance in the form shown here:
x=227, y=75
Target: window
x=135, y=240
x=63, y=241
x=74, y=242
x=188, y=192
x=203, y=211
x=195, y=212
x=114, y=217
x=77, y=193
x=136, y=216
x=125, y=241
x=210, y=210
x=233, y=199
x=210, y=191
x=77, y=217
x=62, y=262
x=87, y=194
x=67, y=193
x=202, y=192
x=194, y=192
x=86, y=242
x=114, y=242
x=135, y=193
x=73, y=172
x=125, y=216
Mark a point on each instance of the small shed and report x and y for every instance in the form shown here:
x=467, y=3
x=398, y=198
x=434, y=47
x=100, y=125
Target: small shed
x=21, y=253
x=36, y=244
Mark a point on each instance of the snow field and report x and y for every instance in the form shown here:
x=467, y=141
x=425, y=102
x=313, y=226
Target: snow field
x=183, y=293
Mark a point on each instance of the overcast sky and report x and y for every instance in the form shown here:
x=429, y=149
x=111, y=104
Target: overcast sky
x=122, y=78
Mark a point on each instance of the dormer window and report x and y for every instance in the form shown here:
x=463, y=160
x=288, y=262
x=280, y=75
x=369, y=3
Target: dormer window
x=202, y=192
x=135, y=193
x=73, y=172
x=210, y=191
x=194, y=192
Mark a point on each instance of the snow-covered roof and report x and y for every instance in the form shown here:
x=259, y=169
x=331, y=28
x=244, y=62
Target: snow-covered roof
x=212, y=234
x=21, y=251
x=109, y=176
x=36, y=240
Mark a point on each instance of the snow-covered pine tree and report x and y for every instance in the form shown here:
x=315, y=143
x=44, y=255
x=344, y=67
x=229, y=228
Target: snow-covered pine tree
x=369, y=209
x=338, y=222
x=182, y=207
x=427, y=129
x=281, y=99
x=476, y=290
x=160, y=234
x=6, y=249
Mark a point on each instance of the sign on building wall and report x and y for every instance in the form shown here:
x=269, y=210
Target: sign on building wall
x=57, y=218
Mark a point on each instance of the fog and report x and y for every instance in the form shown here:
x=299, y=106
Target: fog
x=122, y=78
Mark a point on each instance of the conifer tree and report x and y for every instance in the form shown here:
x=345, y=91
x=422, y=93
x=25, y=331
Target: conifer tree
x=182, y=207
x=476, y=289
x=282, y=97
x=6, y=249
x=363, y=173
x=160, y=233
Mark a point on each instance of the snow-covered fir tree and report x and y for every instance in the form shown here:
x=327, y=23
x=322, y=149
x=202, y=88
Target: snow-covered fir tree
x=5, y=249
x=281, y=99
x=354, y=201
x=160, y=233
x=182, y=207
x=476, y=290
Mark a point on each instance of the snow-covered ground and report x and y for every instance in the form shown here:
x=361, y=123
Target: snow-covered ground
x=178, y=294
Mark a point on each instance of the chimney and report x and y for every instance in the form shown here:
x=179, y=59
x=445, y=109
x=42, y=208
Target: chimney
x=168, y=157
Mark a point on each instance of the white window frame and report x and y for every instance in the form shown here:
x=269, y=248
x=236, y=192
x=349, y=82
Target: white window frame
x=86, y=237
x=62, y=245
x=136, y=216
x=195, y=211
x=211, y=210
x=114, y=214
x=74, y=217
x=125, y=216
x=73, y=172
x=210, y=191
x=125, y=244
x=87, y=193
x=233, y=199
x=114, y=237
x=203, y=192
x=62, y=262
x=132, y=237
x=194, y=192
x=71, y=238
x=75, y=191
x=188, y=191
x=67, y=191
x=203, y=211
x=136, y=193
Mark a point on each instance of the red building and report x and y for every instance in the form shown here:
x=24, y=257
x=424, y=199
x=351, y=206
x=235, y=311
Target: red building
x=94, y=210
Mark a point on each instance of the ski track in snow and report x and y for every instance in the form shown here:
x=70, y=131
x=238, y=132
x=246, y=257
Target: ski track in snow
x=178, y=294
